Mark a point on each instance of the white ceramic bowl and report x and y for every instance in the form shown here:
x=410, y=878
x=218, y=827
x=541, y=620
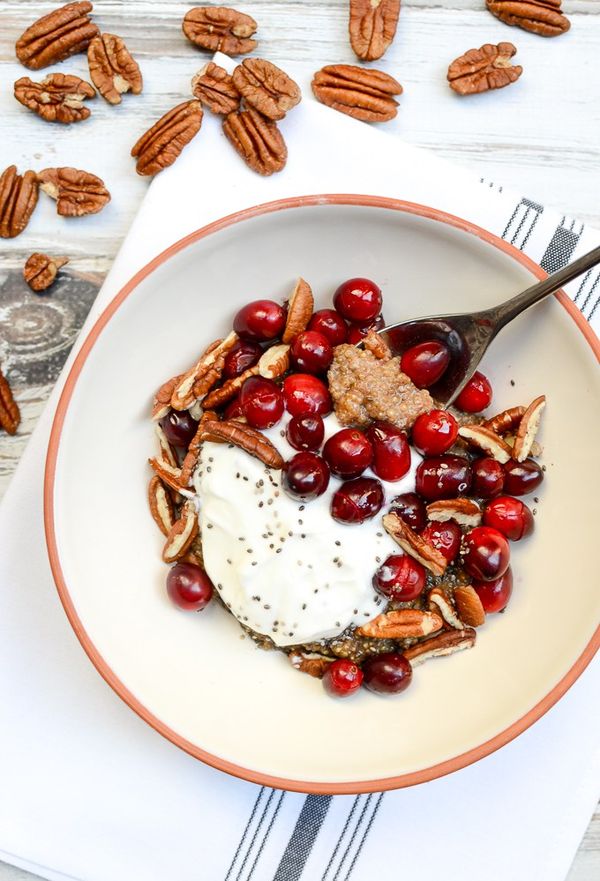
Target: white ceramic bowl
x=192, y=676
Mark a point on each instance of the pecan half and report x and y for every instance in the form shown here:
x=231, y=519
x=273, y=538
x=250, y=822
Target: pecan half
x=181, y=534
x=363, y=93
x=479, y=70
x=464, y=511
x=161, y=505
x=190, y=461
x=76, y=192
x=207, y=369
x=160, y=146
x=274, y=362
x=249, y=439
x=446, y=643
x=167, y=473
x=230, y=388
x=10, y=416
x=528, y=428
x=414, y=545
x=299, y=312
x=401, y=624
x=56, y=36
x=313, y=664
x=112, y=69
x=165, y=450
x=372, y=26
x=220, y=29
x=376, y=344
x=58, y=98
x=18, y=198
x=487, y=440
x=266, y=87
x=541, y=17
x=162, y=399
x=214, y=88
x=439, y=601
x=40, y=270
x=505, y=421
x=258, y=140
x=470, y=607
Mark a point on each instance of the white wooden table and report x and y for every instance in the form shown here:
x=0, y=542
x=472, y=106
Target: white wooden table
x=540, y=136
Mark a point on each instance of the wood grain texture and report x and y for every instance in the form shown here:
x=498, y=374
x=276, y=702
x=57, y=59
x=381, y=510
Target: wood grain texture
x=540, y=136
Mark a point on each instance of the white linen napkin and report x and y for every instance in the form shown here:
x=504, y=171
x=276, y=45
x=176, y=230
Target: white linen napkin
x=90, y=792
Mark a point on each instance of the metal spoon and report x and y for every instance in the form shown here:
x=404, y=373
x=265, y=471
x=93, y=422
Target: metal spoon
x=469, y=335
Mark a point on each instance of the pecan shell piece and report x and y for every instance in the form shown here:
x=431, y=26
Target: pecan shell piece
x=401, y=624
x=58, y=98
x=112, y=68
x=40, y=270
x=372, y=26
x=363, y=93
x=479, y=70
x=543, y=17
x=214, y=88
x=266, y=87
x=220, y=29
x=246, y=438
x=446, y=643
x=76, y=192
x=300, y=309
x=10, y=416
x=528, y=428
x=160, y=146
x=56, y=36
x=257, y=140
x=18, y=198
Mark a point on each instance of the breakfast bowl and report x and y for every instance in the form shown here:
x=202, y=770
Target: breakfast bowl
x=199, y=679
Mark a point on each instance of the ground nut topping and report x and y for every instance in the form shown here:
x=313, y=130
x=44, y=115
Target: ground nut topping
x=365, y=388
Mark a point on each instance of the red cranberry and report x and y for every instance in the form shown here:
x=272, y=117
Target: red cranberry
x=342, y=678
x=445, y=537
x=435, y=432
x=305, y=476
x=233, y=410
x=311, y=352
x=486, y=555
x=331, y=324
x=476, y=395
x=348, y=452
x=488, y=478
x=400, y=578
x=260, y=320
x=261, y=402
x=357, y=332
x=391, y=452
x=510, y=516
x=242, y=355
x=388, y=673
x=443, y=477
x=494, y=595
x=358, y=300
x=189, y=587
x=521, y=478
x=425, y=363
x=357, y=500
x=305, y=432
x=179, y=427
x=306, y=395
x=410, y=508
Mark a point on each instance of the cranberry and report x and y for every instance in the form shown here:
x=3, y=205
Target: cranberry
x=342, y=678
x=311, y=352
x=179, y=427
x=443, y=477
x=357, y=332
x=305, y=432
x=510, y=516
x=357, y=500
x=261, y=402
x=348, y=452
x=358, y=300
x=242, y=355
x=521, y=478
x=189, y=587
x=233, y=410
x=305, y=476
x=425, y=363
x=494, y=595
x=306, y=395
x=388, y=673
x=410, y=508
x=391, y=452
x=331, y=324
x=400, y=578
x=445, y=537
x=486, y=554
x=488, y=478
x=435, y=432
x=260, y=320
x=476, y=395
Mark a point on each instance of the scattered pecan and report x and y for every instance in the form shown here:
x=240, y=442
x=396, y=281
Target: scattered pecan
x=58, y=98
x=112, y=69
x=193, y=451
x=214, y=88
x=414, y=545
x=443, y=644
x=505, y=421
x=528, y=428
x=464, y=511
x=479, y=70
x=165, y=450
x=313, y=664
x=220, y=29
x=230, y=388
x=249, y=439
x=194, y=553
x=181, y=534
x=487, y=440
x=168, y=473
x=439, y=601
x=274, y=362
x=470, y=607
x=76, y=192
x=208, y=364
x=376, y=344
x=10, y=416
x=56, y=36
x=401, y=624
x=372, y=26
x=266, y=87
x=541, y=17
x=299, y=312
x=160, y=146
x=258, y=140
x=162, y=399
x=364, y=93
x=18, y=198
x=40, y=270
x=161, y=505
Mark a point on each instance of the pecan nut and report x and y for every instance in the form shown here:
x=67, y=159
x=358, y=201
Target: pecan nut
x=487, y=440
x=372, y=26
x=162, y=399
x=505, y=421
x=161, y=505
x=376, y=344
x=181, y=534
x=220, y=29
x=313, y=663
x=446, y=643
x=10, y=416
x=464, y=511
x=18, y=198
x=470, y=608
x=414, y=544
x=401, y=624
x=58, y=98
x=266, y=87
x=214, y=88
x=274, y=362
x=40, y=270
x=76, y=192
x=208, y=369
x=56, y=36
x=229, y=389
x=190, y=461
x=300, y=309
x=365, y=94
x=541, y=17
x=257, y=140
x=168, y=473
x=528, y=428
x=165, y=450
x=439, y=601
x=112, y=69
x=246, y=438
x=479, y=70
x=160, y=146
